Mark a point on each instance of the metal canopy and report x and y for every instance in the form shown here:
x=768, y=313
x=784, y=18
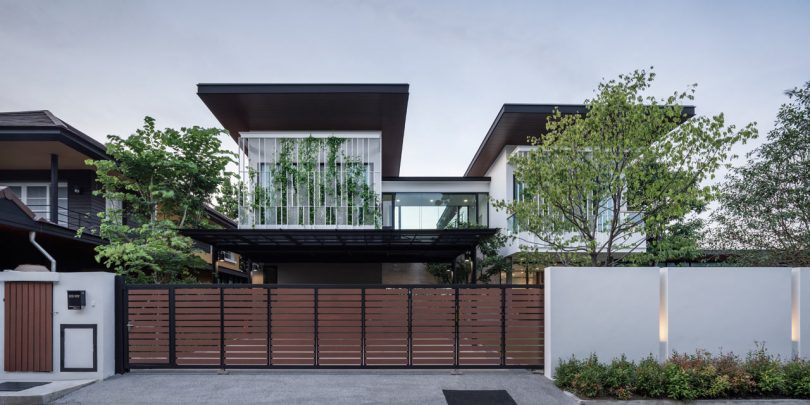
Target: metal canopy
x=343, y=245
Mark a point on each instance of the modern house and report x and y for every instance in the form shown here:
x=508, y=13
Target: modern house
x=46, y=196
x=323, y=201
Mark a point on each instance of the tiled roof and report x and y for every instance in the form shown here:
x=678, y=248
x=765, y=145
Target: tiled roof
x=44, y=119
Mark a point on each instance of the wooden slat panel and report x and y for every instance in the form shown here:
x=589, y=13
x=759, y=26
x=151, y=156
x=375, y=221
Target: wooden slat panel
x=343, y=328
x=148, y=335
x=524, y=326
x=29, y=326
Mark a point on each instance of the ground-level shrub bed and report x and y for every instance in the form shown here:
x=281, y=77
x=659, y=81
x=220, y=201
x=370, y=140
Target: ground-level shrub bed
x=687, y=376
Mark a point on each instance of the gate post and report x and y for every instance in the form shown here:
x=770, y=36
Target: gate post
x=121, y=329
x=172, y=329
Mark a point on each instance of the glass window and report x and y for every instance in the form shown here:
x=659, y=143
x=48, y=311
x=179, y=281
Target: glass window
x=387, y=209
x=436, y=210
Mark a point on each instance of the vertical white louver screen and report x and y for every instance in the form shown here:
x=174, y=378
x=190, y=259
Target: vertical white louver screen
x=310, y=180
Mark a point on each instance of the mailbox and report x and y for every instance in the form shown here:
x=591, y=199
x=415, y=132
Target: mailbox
x=76, y=299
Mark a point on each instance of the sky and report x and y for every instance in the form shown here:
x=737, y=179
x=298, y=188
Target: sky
x=103, y=65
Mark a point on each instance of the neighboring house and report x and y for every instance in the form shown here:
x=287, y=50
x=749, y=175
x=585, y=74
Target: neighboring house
x=46, y=188
x=324, y=202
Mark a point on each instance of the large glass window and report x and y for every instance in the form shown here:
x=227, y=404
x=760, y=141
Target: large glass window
x=435, y=210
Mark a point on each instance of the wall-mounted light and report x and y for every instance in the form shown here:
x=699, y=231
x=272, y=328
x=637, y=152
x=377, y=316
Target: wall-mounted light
x=795, y=311
x=77, y=190
x=663, y=314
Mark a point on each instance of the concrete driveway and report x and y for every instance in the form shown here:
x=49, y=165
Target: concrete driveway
x=420, y=387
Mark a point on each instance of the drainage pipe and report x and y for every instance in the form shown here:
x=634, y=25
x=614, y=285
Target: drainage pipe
x=32, y=237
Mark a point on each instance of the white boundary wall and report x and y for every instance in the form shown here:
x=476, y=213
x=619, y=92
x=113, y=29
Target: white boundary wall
x=642, y=311
x=99, y=310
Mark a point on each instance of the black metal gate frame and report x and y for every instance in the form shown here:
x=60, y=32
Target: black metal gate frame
x=122, y=351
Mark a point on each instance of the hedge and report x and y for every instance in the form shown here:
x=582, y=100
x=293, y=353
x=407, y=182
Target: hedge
x=687, y=376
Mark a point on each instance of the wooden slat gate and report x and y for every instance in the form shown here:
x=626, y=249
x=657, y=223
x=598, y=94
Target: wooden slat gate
x=28, y=331
x=311, y=326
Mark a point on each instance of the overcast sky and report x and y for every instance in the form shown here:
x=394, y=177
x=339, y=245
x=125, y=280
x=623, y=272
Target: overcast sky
x=103, y=65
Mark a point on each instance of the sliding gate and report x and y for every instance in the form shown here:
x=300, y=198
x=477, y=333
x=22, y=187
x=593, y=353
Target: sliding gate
x=383, y=326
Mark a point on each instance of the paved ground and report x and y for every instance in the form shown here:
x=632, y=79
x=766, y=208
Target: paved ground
x=422, y=387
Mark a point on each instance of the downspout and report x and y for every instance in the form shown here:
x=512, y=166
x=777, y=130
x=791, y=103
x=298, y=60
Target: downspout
x=32, y=237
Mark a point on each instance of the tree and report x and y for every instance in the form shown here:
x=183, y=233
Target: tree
x=488, y=265
x=227, y=202
x=765, y=204
x=160, y=181
x=579, y=177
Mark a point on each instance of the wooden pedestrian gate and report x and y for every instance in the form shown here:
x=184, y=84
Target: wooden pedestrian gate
x=332, y=326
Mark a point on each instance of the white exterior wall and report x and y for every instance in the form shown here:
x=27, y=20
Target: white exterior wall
x=500, y=188
x=501, y=176
x=100, y=310
x=729, y=309
x=458, y=186
x=609, y=312
x=642, y=311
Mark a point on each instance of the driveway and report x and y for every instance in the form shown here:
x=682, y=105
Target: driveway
x=420, y=387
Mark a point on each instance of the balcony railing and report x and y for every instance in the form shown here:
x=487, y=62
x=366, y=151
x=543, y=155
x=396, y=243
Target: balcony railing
x=602, y=222
x=70, y=219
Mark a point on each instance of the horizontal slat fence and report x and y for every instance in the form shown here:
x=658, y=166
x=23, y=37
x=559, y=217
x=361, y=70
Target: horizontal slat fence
x=334, y=326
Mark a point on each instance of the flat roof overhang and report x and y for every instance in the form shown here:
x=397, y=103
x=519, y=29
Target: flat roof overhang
x=313, y=107
x=514, y=124
x=343, y=245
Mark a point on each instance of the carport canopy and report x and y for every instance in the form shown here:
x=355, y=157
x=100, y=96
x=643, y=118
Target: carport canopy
x=344, y=245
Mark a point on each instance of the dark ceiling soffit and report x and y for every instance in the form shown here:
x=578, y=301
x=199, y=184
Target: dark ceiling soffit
x=542, y=109
x=436, y=178
x=317, y=107
x=258, y=88
x=81, y=143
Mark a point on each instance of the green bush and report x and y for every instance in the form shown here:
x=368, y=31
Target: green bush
x=650, y=379
x=566, y=372
x=687, y=377
x=767, y=373
x=620, y=378
x=797, y=375
x=590, y=380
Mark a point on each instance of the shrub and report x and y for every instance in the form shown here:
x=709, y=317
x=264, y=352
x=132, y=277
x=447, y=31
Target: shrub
x=797, y=375
x=678, y=383
x=740, y=383
x=620, y=378
x=766, y=372
x=650, y=379
x=687, y=377
x=566, y=373
x=589, y=382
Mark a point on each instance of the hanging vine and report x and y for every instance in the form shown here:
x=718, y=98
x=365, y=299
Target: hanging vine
x=309, y=173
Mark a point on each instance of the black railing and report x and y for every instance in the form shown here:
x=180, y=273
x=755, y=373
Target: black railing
x=70, y=219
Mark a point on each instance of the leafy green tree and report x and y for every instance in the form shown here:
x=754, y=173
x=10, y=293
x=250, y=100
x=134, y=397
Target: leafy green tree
x=227, y=201
x=765, y=204
x=489, y=264
x=160, y=181
x=577, y=179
